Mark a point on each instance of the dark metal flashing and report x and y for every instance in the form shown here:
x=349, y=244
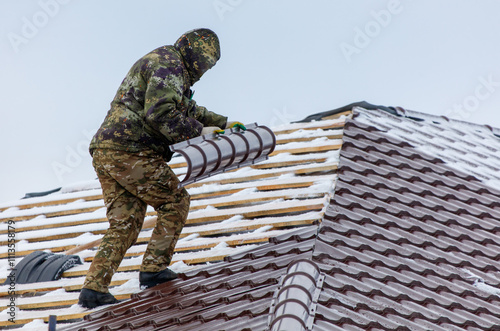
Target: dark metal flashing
x=362, y=104
x=42, y=267
x=40, y=194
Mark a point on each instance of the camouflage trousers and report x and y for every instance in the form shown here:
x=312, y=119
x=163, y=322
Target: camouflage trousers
x=130, y=182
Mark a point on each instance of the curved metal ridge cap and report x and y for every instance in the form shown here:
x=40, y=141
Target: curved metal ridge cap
x=295, y=300
x=212, y=154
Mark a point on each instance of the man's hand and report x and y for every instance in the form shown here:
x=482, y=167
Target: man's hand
x=235, y=124
x=210, y=129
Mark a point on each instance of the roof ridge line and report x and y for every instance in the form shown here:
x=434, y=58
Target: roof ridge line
x=298, y=289
x=421, y=116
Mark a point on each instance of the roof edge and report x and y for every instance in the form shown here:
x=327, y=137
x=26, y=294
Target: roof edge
x=420, y=116
x=363, y=104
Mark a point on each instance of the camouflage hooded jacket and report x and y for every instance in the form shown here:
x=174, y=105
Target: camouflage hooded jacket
x=153, y=108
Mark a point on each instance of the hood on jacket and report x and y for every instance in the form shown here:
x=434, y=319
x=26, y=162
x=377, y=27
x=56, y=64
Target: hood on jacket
x=200, y=51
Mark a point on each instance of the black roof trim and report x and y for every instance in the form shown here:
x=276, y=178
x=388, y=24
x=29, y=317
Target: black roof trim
x=40, y=194
x=362, y=104
x=41, y=267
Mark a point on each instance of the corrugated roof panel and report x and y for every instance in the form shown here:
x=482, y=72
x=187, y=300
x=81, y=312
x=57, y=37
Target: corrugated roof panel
x=404, y=233
x=231, y=295
x=409, y=240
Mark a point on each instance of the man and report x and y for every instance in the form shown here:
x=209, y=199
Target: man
x=152, y=109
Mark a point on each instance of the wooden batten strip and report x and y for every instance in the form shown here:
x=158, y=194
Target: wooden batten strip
x=136, y=267
x=58, y=236
x=63, y=201
x=281, y=164
x=312, y=149
x=264, y=185
x=257, y=211
x=265, y=174
x=254, y=197
x=201, y=217
x=337, y=125
x=224, y=230
x=281, y=141
x=52, y=286
x=54, y=214
x=60, y=318
x=58, y=225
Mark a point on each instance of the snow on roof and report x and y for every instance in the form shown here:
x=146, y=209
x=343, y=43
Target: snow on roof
x=467, y=147
x=230, y=213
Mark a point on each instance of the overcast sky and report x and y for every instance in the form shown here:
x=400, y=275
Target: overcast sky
x=62, y=61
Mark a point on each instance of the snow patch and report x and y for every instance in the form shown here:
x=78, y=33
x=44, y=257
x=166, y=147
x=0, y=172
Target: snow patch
x=220, y=246
x=131, y=286
x=263, y=229
x=81, y=186
x=37, y=324
x=233, y=219
x=481, y=285
x=188, y=238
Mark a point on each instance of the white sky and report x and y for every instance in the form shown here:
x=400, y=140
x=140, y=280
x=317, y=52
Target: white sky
x=62, y=61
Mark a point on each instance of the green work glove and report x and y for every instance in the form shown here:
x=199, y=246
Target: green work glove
x=235, y=124
x=210, y=129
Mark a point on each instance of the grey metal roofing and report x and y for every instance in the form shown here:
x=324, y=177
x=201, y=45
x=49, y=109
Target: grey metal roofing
x=408, y=241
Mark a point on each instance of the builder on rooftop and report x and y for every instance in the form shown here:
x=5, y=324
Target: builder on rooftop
x=153, y=108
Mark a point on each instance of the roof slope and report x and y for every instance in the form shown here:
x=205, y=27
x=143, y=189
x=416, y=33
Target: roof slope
x=233, y=295
x=229, y=214
x=408, y=241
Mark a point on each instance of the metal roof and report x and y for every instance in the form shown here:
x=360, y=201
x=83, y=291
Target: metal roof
x=408, y=241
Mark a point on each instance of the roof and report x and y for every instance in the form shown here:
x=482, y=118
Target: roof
x=408, y=239
x=229, y=214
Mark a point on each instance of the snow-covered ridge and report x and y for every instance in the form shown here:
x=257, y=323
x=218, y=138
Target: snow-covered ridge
x=469, y=148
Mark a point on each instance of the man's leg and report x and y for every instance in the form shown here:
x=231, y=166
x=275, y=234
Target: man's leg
x=172, y=216
x=125, y=213
x=145, y=178
x=172, y=207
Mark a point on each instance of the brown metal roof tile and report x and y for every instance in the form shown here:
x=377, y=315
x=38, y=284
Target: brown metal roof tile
x=399, y=230
x=225, y=295
x=405, y=243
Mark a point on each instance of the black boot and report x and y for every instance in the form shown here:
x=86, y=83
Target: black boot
x=91, y=299
x=150, y=279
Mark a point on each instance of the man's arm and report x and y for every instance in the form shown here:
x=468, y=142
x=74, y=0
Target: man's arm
x=166, y=109
x=206, y=117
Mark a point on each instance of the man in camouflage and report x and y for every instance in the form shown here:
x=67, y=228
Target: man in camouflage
x=152, y=109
